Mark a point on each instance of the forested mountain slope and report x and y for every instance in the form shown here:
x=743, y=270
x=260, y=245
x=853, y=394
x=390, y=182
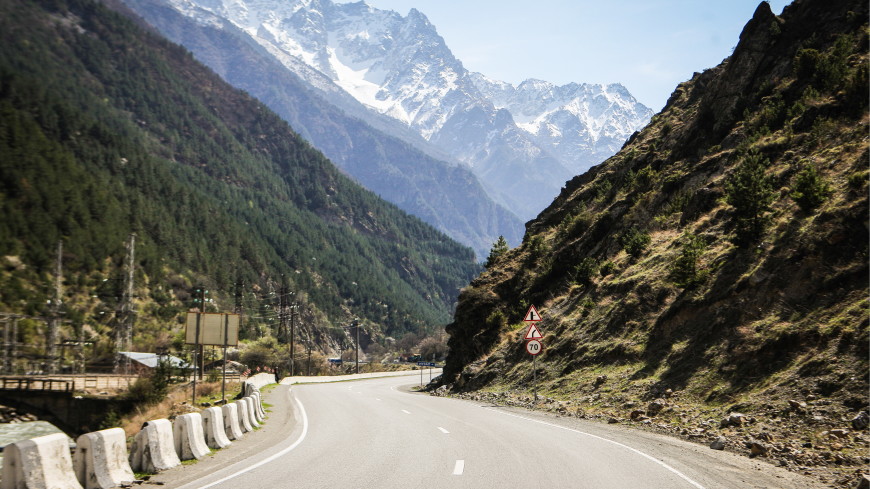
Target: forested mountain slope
x=447, y=196
x=721, y=255
x=107, y=130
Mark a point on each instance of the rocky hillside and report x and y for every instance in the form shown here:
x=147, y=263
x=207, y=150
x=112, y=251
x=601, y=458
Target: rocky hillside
x=720, y=258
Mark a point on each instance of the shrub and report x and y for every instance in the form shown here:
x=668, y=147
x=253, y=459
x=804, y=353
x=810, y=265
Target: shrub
x=810, y=189
x=634, y=242
x=750, y=192
x=684, y=271
x=586, y=270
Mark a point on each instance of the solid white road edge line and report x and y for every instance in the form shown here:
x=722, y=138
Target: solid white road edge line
x=273, y=457
x=459, y=467
x=666, y=466
x=443, y=430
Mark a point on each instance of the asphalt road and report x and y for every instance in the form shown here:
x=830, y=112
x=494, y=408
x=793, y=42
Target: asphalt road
x=378, y=434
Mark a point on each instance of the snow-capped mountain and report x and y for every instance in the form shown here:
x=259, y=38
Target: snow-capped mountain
x=581, y=124
x=522, y=142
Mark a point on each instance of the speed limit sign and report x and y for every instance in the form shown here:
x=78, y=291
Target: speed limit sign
x=534, y=347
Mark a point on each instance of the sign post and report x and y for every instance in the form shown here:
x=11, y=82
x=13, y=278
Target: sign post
x=534, y=346
x=214, y=329
x=425, y=364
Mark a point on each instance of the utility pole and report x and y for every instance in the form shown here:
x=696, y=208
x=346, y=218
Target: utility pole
x=308, y=331
x=14, y=341
x=124, y=327
x=293, y=308
x=356, y=324
x=54, y=319
x=282, y=313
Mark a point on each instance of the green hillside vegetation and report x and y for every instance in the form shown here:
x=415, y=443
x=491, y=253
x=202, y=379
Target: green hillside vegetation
x=720, y=257
x=107, y=130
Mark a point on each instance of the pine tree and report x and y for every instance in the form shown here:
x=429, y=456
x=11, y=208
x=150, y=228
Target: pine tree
x=750, y=192
x=499, y=248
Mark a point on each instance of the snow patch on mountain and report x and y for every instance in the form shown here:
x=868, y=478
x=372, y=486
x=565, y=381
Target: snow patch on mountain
x=400, y=67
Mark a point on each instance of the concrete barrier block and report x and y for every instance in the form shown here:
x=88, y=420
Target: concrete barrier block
x=244, y=422
x=100, y=460
x=252, y=414
x=41, y=462
x=154, y=448
x=189, y=437
x=213, y=426
x=261, y=380
x=231, y=421
x=259, y=413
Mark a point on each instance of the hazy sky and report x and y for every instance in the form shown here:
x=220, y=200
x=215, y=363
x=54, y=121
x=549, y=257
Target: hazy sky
x=647, y=45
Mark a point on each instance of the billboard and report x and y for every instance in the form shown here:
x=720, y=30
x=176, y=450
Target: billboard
x=213, y=328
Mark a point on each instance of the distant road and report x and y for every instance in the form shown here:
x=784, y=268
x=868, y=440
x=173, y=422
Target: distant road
x=377, y=434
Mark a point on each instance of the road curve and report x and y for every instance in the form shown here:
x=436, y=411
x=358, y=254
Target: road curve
x=378, y=434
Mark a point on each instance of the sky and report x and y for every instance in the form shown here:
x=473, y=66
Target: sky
x=649, y=46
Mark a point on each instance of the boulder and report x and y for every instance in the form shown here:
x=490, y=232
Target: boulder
x=719, y=443
x=733, y=419
x=757, y=448
x=861, y=421
x=655, y=407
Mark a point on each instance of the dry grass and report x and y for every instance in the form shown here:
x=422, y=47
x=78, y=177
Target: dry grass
x=177, y=402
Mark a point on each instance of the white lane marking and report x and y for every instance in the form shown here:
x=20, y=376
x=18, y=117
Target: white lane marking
x=443, y=430
x=273, y=457
x=459, y=467
x=406, y=412
x=377, y=398
x=642, y=454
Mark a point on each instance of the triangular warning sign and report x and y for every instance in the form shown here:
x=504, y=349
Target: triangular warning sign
x=533, y=333
x=532, y=315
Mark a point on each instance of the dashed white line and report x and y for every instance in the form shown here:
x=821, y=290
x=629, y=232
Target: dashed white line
x=443, y=430
x=406, y=412
x=459, y=467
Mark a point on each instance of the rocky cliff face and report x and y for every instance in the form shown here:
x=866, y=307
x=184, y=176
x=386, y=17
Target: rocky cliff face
x=720, y=257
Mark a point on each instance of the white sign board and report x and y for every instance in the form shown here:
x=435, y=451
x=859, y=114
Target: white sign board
x=213, y=327
x=534, y=347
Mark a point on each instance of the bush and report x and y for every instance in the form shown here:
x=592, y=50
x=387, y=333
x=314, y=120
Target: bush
x=607, y=268
x=810, y=189
x=684, y=271
x=750, y=192
x=586, y=270
x=634, y=242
